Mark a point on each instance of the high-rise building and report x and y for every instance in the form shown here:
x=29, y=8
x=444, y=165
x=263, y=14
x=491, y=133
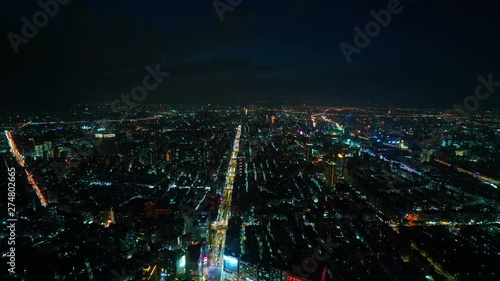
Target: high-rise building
x=48, y=150
x=240, y=165
x=341, y=163
x=309, y=150
x=112, y=215
x=332, y=175
x=107, y=217
x=248, y=271
x=427, y=155
x=276, y=274
x=264, y=273
x=38, y=151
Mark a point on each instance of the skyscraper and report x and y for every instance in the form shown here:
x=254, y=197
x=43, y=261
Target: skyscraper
x=332, y=175
x=309, y=148
x=341, y=162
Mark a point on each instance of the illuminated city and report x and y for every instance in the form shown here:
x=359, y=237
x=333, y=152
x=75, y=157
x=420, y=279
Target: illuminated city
x=237, y=193
x=243, y=140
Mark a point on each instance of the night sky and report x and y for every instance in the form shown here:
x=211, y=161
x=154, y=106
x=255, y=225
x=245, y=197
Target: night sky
x=430, y=54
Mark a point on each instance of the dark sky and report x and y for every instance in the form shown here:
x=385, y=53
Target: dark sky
x=93, y=50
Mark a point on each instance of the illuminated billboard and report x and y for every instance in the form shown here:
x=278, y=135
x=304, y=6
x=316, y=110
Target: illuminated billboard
x=104, y=135
x=230, y=264
x=181, y=264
